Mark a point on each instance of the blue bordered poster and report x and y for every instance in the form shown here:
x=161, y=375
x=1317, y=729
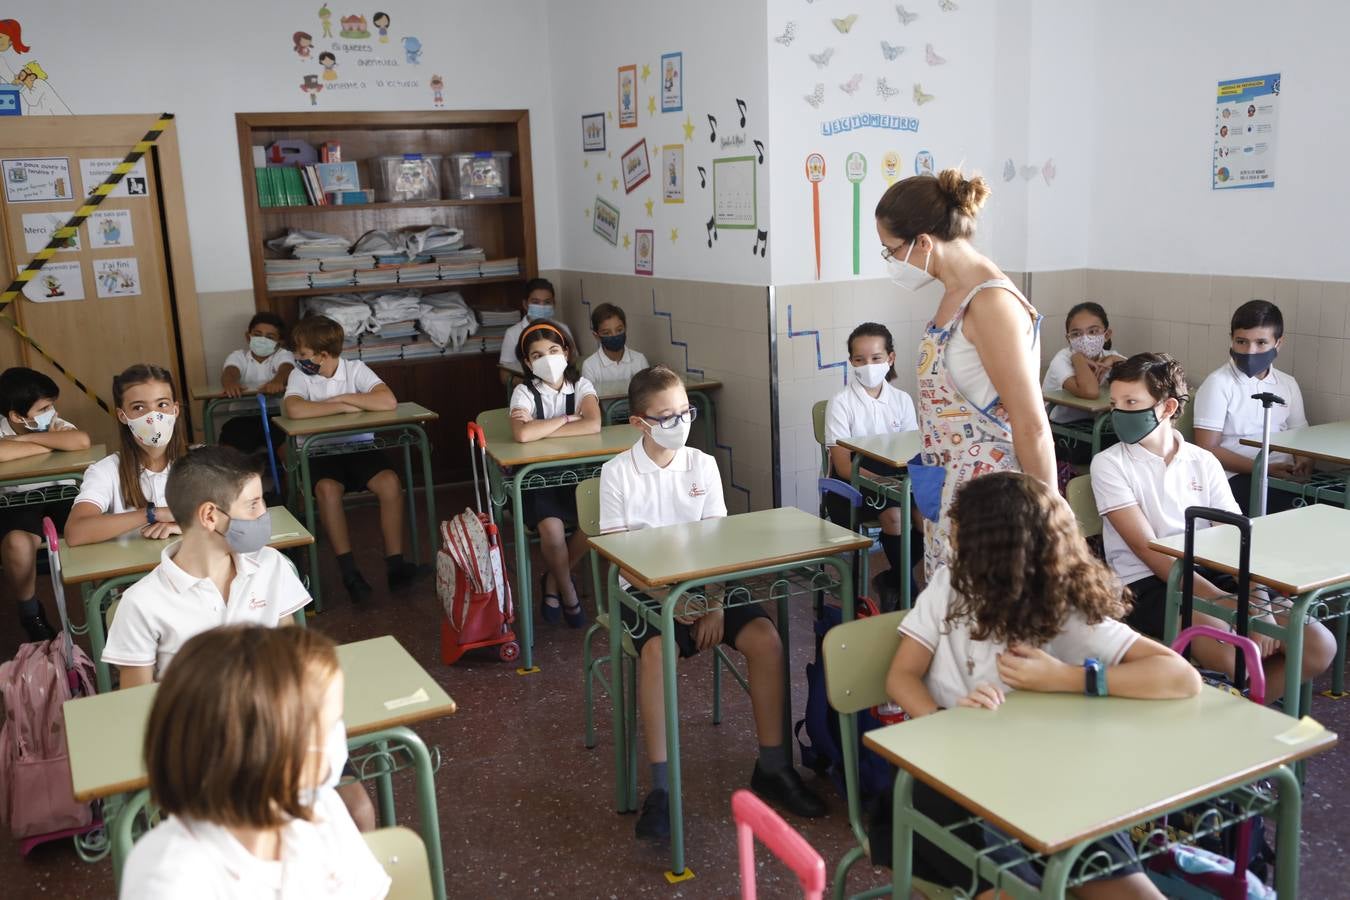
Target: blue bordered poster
x=1245, y=125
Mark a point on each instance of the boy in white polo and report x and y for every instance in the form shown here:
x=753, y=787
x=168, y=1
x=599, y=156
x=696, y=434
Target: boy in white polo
x=1225, y=412
x=1143, y=486
x=615, y=363
x=222, y=572
x=660, y=481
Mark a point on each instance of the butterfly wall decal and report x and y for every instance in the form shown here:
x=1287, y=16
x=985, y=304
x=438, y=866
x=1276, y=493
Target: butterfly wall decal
x=948, y=5
x=846, y=23
x=1009, y=170
x=890, y=51
x=1030, y=172
x=905, y=16
x=1048, y=171
x=850, y=87
x=816, y=97
x=885, y=91
x=920, y=97
x=789, y=34
x=822, y=59
x=931, y=55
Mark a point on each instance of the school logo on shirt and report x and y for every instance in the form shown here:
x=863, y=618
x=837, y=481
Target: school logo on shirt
x=256, y=602
x=696, y=491
x=1197, y=486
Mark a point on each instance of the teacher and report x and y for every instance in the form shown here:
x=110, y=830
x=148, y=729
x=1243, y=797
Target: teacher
x=980, y=407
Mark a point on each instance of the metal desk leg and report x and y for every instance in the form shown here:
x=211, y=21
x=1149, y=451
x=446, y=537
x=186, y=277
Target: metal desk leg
x=617, y=692
x=95, y=602
x=209, y=420
x=906, y=532
x=1098, y=423
x=433, y=526
x=902, y=837
x=414, y=555
x=307, y=494
x=1288, y=813
x=424, y=777
x=119, y=818
x=1338, y=664
x=524, y=602
x=669, y=657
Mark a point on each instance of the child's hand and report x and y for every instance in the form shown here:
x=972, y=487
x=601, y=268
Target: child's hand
x=1026, y=668
x=985, y=696
x=233, y=390
x=521, y=415
x=159, y=531
x=708, y=630
x=272, y=387
x=1303, y=466
x=1281, y=470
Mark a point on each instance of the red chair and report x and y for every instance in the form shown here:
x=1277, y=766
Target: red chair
x=755, y=819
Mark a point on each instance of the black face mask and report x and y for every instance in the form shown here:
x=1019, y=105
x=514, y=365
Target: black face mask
x=1253, y=364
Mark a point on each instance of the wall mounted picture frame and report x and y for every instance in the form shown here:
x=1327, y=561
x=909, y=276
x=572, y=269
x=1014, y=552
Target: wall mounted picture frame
x=605, y=220
x=593, y=132
x=644, y=250
x=636, y=166
x=672, y=82
x=628, y=96
x=672, y=173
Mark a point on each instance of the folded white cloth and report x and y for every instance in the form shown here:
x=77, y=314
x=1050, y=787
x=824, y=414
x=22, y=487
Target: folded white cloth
x=432, y=239
x=394, y=306
x=350, y=311
x=447, y=319
x=310, y=244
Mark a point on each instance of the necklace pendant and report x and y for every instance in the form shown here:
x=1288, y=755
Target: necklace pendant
x=970, y=666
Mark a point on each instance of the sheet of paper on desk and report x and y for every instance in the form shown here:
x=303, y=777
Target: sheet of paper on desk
x=417, y=696
x=1306, y=729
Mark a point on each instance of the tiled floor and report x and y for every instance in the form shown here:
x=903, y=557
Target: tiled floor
x=526, y=810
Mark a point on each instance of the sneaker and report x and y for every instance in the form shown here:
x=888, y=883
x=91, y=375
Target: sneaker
x=654, y=823
x=37, y=627
x=786, y=789
x=357, y=588
x=887, y=594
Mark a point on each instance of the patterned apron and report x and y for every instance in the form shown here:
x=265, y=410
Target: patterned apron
x=958, y=435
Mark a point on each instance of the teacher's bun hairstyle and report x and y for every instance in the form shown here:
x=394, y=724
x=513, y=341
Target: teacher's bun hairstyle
x=944, y=207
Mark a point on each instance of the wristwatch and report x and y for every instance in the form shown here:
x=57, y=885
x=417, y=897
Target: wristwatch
x=150, y=515
x=1094, y=678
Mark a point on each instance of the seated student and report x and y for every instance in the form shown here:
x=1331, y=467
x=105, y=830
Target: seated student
x=1143, y=486
x=871, y=405
x=1081, y=369
x=1225, y=412
x=538, y=305
x=660, y=481
x=976, y=633
x=30, y=428
x=263, y=366
x=615, y=362
x=124, y=491
x=243, y=748
x=322, y=384
x=555, y=402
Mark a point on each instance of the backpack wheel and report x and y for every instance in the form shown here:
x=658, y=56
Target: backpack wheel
x=509, y=652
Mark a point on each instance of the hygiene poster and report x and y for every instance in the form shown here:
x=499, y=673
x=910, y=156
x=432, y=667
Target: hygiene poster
x=1245, y=125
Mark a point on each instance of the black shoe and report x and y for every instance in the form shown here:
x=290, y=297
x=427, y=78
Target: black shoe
x=357, y=588
x=887, y=594
x=654, y=823
x=402, y=576
x=786, y=789
x=37, y=626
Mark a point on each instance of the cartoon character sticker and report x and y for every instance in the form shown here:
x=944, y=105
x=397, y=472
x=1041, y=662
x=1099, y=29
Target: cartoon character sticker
x=11, y=38
x=412, y=50
x=302, y=43
x=312, y=87
x=326, y=20
x=437, y=91
x=329, y=63
x=37, y=95
x=381, y=22
x=354, y=26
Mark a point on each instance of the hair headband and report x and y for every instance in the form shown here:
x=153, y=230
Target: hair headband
x=540, y=325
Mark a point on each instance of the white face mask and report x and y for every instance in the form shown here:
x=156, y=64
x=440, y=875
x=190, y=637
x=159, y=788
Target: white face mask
x=872, y=374
x=671, y=438
x=153, y=429
x=262, y=347
x=549, y=369
x=1090, y=345
x=334, y=751
x=907, y=275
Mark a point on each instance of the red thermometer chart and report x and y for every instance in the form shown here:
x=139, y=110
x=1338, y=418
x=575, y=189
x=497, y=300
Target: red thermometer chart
x=815, y=173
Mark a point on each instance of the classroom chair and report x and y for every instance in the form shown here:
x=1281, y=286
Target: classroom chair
x=404, y=857
x=617, y=414
x=871, y=527
x=1084, y=505
x=754, y=818
x=1185, y=425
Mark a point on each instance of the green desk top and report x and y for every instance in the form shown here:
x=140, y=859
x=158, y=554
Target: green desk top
x=51, y=465
x=611, y=440
x=661, y=557
x=895, y=449
x=105, y=733
x=403, y=414
x=618, y=390
x=132, y=553
x=1063, y=398
x=1102, y=758
x=1294, y=552
x=1329, y=442
x=216, y=392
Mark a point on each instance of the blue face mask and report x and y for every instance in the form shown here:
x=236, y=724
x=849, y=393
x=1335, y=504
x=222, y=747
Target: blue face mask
x=537, y=311
x=614, y=342
x=308, y=366
x=42, y=421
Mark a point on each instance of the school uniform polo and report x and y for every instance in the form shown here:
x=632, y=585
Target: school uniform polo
x=961, y=663
x=1127, y=475
x=254, y=374
x=600, y=369
x=7, y=431
x=854, y=413
x=512, y=338
x=162, y=611
x=1059, y=371
x=350, y=377
x=1224, y=404
x=554, y=401
x=322, y=858
x=101, y=487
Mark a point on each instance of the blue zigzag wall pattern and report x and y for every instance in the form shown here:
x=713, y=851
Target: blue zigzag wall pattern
x=820, y=364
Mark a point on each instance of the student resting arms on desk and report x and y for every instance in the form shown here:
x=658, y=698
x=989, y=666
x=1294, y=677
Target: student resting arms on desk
x=263, y=365
x=124, y=491
x=554, y=402
x=243, y=748
x=660, y=481
x=1023, y=605
x=537, y=305
x=30, y=427
x=1143, y=486
x=614, y=363
x=1081, y=369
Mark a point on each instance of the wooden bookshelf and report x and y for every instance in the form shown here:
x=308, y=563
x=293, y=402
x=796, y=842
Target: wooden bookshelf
x=456, y=386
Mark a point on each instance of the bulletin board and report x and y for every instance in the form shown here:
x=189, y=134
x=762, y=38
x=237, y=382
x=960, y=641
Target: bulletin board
x=735, y=197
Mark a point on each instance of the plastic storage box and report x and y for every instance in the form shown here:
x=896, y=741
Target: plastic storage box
x=412, y=176
x=474, y=176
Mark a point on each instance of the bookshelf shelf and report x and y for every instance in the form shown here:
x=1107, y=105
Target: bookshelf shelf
x=401, y=204
x=417, y=286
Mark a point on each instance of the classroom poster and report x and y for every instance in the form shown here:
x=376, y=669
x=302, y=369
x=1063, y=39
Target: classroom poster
x=110, y=228
x=672, y=173
x=94, y=172
x=644, y=248
x=117, y=277
x=55, y=282
x=37, y=180
x=735, y=200
x=1245, y=127
x=38, y=228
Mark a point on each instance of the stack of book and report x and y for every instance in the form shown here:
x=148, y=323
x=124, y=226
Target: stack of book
x=503, y=318
x=499, y=268
x=332, y=278
x=309, y=185
x=413, y=273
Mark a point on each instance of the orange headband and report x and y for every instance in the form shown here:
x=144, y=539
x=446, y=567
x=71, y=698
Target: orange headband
x=550, y=326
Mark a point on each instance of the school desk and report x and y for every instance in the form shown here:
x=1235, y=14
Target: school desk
x=552, y=462
x=1329, y=443
x=386, y=691
x=614, y=396
x=65, y=466
x=1090, y=754
x=101, y=568
x=1080, y=431
x=214, y=403
x=1299, y=554
x=684, y=559
x=400, y=427
x=894, y=450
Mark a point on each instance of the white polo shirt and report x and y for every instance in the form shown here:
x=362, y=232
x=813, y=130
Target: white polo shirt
x=322, y=858
x=254, y=374
x=1128, y=475
x=637, y=493
x=100, y=486
x=7, y=431
x=166, y=608
x=600, y=369
x=512, y=337
x=961, y=663
x=1060, y=371
x=854, y=413
x=1224, y=404
x=350, y=377
x=554, y=402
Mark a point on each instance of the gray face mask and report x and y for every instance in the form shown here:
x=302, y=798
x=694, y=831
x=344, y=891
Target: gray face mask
x=249, y=535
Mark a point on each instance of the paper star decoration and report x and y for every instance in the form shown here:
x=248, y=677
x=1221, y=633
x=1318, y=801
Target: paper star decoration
x=674, y=234
x=614, y=184
x=626, y=242
x=651, y=105
x=646, y=71
x=586, y=213
x=688, y=129
x=648, y=204
x=599, y=177
x=585, y=163
x=609, y=113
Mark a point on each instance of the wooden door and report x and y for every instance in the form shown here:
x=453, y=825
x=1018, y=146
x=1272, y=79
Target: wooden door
x=126, y=294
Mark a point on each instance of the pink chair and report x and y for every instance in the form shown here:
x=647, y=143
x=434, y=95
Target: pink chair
x=754, y=818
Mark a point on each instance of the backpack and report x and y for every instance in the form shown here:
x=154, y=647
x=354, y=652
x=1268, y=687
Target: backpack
x=35, y=786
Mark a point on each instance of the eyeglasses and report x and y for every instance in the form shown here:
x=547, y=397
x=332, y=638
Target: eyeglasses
x=689, y=415
x=889, y=253
x=1094, y=331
